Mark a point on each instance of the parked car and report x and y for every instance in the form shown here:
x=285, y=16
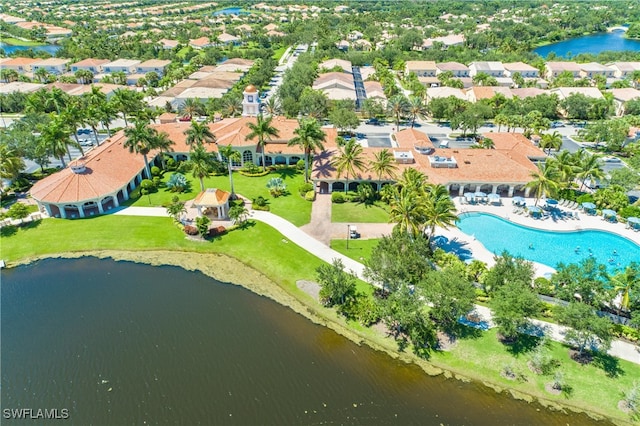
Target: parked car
x=557, y=124
x=86, y=142
x=373, y=121
x=185, y=118
x=84, y=131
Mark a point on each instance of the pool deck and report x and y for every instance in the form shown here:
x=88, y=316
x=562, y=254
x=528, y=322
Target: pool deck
x=506, y=211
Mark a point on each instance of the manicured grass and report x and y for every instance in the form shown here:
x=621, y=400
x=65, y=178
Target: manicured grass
x=599, y=384
x=17, y=42
x=277, y=54
x=359, y=250
x=292, y=207
x=359, y=213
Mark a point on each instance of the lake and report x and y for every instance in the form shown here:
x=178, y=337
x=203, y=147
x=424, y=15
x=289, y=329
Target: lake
x=230, y=11
x=594, y=44
x=49, y=48
x=123, y=343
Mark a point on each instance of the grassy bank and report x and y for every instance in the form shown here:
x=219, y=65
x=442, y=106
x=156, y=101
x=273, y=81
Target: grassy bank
x=596, y=387
x=17, y=42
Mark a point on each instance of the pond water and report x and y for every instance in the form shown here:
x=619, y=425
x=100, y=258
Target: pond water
x=49, y=48
x=231, y=11
x=594, y=44
x=122, y=343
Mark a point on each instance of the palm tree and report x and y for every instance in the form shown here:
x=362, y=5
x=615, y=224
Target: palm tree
x=383, y=164
x=551, y=141
x=55, y=135
x=309, y=136
x=484, y=143
x=413, y=180
x=56, y=100
x=416, y=109
x=191, y=107
x=407, y=211
x=231, y=106
x=589, y=167
x=626, y=282
x=263, y=130
x=8, y=75
x=398, y=106
x=74, y=115
x=272, y=106
x=349, y=159
x=232, y=156
x=199, y=134
x=106, y=112
x=176, y=208
x=42, y=74
x=11, y=164
x=544, y=180
x=127, y=102
x=565, y=163
x=439, y=208
x=141, y=139
x=163, y=144
x=500, y=120
x=201, y=162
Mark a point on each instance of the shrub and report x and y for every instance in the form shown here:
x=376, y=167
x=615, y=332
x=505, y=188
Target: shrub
x=260, y=203
x=155, y=171
x=250, y=168
x=300, y=165
x=337, y=197
x=177, y=182
x=190, y=230
x=541, y=285
x=276, y=187
x=202, y=224
x=171, y=164
x=156, y=181
x=184, y=167
x=18, y=211
x=310, y=196
x=585, y=198
x=304, y=188
x=147, y=184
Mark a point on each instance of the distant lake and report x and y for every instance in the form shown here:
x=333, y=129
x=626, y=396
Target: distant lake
x=49, y=48
x=594, y=44
x=230, y=11
x=118, y=343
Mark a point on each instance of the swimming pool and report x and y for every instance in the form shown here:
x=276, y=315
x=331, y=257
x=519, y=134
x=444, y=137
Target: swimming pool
x=546, y=247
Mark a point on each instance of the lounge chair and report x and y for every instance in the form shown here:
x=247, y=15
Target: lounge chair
x=562, y=202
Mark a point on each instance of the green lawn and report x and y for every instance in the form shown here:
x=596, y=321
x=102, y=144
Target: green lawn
x=292, y=207
x=359, y=213
x=358, y=249
x=17, y=42
x=277, y=54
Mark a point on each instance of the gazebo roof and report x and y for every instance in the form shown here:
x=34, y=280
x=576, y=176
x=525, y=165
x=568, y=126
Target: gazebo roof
x=212, y=197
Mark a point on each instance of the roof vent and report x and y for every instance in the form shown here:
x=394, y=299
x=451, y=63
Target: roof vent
x=77, y=167
x=467, y=162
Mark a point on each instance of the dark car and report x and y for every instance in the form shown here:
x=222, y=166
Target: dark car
x=373, y=121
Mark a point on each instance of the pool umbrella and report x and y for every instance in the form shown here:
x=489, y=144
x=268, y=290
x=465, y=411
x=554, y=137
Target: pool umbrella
x=635, y=221
x=534, y=210
x=552, y=202
x=517, y=200
x=608, y=212
x=469, y=195
x=589, y=206
x=480, y=194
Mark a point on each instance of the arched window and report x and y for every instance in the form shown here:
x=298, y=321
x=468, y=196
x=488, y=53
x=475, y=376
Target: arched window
x=247, y=157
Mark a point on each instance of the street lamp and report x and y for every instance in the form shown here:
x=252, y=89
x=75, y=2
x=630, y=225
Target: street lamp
x=348, y=235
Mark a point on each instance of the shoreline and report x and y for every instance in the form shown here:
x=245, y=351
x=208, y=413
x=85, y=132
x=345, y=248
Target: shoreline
x=225, y=268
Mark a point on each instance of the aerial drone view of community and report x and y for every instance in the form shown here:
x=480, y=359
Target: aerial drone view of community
x=278, y=212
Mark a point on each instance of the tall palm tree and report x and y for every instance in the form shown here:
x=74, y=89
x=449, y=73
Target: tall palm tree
x=74, y=114
x=56, y=100
x=397, y=107
x=439, y=208
x=127, y=102
x=545, y=180
x=232, y=106
x=500, y=120
x=407, y=211
x=383, y=164
x=141, y=139
x=348, y=160
x=163, y=144
x=309, y=136
x=232, y=156
x=263, y=130
x=201, y=161
x=199, y=134
x=589, y=167
x=272, y=106
x=55, y=135
x=416, y=108
x=551, y=141
x=565, y=163
x=412, y=179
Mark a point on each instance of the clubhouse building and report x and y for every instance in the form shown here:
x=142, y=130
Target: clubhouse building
x=105, y=177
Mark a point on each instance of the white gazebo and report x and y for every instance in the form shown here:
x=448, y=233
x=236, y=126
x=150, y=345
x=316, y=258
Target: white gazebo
x=213, y=199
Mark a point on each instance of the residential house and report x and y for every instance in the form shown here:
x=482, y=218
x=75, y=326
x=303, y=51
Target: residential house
x=55, y=66
x=20, y=65
x=127, y=66
x=622, y=96
x=445, y=92
x=554, y=69
x=90, y=64
x=336, y=85
x=225, y=39
x=421, y=68
x=20, y=87
x=156, y=65
x=168, y=44
x=343, y=45
x=478, y=93
x=592, y=69
x=200, y=43
x=564, y=92
x=374, y=90
x=492, y=68
x=456, y=68
x=354, y=35
x=334, y=63
x=525, y=70
x=362, y=44
x=622, y=70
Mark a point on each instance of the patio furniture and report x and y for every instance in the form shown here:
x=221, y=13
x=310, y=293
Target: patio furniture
x=494, y=198
x=634, y=223
x=608, y=214
x=518, y=201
